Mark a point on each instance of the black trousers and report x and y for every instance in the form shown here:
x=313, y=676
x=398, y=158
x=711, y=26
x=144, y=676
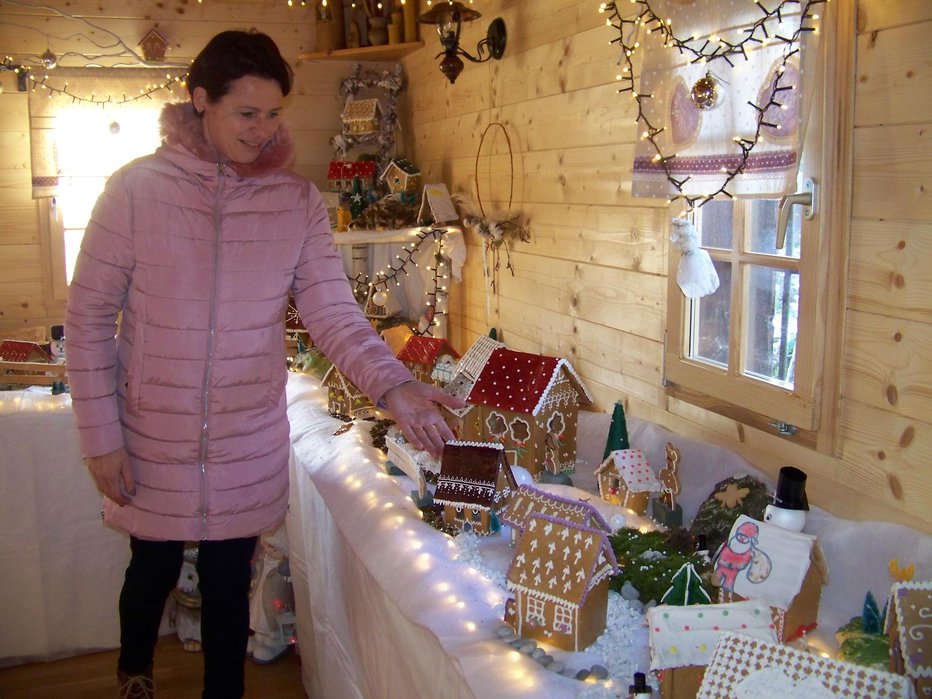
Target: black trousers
x=224, y=570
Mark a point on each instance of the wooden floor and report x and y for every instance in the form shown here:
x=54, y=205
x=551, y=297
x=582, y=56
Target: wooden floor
x=177, y=676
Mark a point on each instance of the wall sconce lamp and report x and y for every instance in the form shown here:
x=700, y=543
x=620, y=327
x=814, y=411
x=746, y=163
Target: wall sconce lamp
x=449, y=16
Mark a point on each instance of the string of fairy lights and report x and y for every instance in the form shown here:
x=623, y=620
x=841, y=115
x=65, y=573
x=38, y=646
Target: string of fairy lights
x=436, y=291
x=42, y=83
x=707, y=50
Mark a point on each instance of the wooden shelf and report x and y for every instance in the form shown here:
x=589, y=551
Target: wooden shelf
x=401, y=235
x=388, y=52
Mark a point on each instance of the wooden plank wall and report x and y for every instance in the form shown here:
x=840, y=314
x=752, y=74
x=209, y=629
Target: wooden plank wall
x=28, y=28
x=591, y=285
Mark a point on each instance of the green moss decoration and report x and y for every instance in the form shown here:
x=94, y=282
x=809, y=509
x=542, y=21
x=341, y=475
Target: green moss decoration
x=862, y=640
x=649, y=562
x=714, y=519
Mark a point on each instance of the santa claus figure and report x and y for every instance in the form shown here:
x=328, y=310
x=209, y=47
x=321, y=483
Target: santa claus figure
x=735, y=555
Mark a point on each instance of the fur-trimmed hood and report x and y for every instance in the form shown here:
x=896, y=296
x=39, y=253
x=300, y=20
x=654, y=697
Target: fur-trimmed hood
x=180, y=127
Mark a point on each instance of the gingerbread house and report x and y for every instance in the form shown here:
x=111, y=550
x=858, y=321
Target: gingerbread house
x=743, y=666
x=474, y=484
x=153, y=46
x=627, y=479
x=421, y=353
x=361, y=117
x=401, y=176
x=682, y=639
x=529, y=403
x=909, y=609
x=23, y=351
x=559, y=577
x=343, y=397
x=340, y=174
x=529, y=501
x=782, y=568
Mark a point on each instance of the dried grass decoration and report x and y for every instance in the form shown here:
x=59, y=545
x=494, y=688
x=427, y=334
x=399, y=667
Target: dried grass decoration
x=496, y=231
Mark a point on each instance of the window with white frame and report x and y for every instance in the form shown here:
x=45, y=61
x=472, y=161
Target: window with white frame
x=761, y=349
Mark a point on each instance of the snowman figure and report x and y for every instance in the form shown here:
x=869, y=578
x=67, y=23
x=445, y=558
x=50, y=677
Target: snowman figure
x=787, y=507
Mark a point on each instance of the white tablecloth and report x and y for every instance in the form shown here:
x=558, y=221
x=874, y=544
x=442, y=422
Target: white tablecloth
x=60, y=568
x=384, y=607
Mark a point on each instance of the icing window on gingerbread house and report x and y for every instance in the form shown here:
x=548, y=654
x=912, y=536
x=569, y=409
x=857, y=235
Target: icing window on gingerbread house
x=476, y=515
x=556, y=425
x=496, y=425
x=563, y=619
x=460, y=515
x=535, y=612
x=520, y=431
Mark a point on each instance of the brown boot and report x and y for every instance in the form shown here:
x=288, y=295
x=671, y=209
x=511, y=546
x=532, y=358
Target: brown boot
x=136, y=686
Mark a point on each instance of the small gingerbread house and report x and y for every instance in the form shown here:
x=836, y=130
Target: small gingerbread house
x=421, y=354
x=361, y=117
x=529, y=501
x=343, y=397
x=153, y=46
x=401, y=176
x=340, y=174
x=743, y=666
x=783, y=568
x=908, y=612
x=682, y=639
x=627, y=479
x=560, y=576
x=23, y=351
x=475, y=483
x=529, y=403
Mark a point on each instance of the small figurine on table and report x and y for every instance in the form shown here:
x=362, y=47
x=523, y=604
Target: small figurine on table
x=665, y=509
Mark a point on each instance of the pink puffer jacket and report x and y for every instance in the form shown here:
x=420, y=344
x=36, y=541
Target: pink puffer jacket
x=200, y=259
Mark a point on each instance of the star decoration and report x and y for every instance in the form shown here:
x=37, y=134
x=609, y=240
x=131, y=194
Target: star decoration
x=732, y=496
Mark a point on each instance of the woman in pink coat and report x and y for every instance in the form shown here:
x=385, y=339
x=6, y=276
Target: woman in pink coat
x=181, y=410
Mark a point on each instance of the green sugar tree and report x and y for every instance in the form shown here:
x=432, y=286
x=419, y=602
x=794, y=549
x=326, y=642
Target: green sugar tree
x=617, y=431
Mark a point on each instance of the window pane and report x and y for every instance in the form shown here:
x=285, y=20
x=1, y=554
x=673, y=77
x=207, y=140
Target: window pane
x=709, y=321
x=763, y=233
x=715, y=222
x=771, y=323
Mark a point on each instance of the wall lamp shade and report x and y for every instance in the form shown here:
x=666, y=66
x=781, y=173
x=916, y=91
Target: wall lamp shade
x=449, y=18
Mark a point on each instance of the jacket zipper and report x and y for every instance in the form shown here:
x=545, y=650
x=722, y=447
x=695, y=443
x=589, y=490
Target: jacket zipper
x=205, y=388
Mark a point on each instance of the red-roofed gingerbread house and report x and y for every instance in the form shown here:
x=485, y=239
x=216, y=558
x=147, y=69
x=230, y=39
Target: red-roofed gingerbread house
x=529, y=403
x=421, y=353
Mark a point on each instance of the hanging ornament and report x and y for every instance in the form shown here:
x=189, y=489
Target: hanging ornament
x=380, y=298
x=706, y=92
x=49, y=59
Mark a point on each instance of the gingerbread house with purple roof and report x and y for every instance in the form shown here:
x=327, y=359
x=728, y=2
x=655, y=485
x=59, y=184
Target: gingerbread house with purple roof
x=528, y=403
x=474, y=485
x=529, y=501
x=420, y=353
x=559, y=577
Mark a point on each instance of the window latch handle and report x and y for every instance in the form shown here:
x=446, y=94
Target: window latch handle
x=805, y=198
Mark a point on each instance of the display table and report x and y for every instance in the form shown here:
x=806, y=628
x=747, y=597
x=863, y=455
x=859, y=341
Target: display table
x=389, y=607
x=61, y=569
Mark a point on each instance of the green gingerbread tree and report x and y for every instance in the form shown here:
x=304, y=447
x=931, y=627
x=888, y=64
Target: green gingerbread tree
x=686, y=588
x=617, y=431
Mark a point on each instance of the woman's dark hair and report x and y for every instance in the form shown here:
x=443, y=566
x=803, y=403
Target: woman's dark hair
x=234, y=54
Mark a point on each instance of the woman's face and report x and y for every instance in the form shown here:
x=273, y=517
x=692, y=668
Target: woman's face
x=241, y=122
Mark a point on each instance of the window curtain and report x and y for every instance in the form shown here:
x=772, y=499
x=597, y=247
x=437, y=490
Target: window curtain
x=67, y=101
x=703, y=139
